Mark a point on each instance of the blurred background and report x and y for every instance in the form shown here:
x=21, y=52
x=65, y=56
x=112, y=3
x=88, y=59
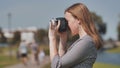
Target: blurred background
x=29, y=19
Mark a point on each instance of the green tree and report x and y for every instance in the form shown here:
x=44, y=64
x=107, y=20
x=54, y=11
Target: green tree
x=2, y=37
x=16, y=37
x=40, y=35
x=118, y=30
x=100, y=25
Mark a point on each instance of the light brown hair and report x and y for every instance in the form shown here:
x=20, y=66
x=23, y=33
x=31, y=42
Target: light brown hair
x=81, y=12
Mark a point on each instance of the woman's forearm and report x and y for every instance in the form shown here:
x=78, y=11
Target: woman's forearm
x=62, y=47
x=53, y=47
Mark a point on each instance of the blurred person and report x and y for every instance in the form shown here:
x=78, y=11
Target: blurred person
x=34, y=49
x=41, y=55
x=17, y=55
x=83, y=52
x=23, y=51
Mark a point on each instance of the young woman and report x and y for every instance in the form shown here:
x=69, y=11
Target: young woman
x=83, y=52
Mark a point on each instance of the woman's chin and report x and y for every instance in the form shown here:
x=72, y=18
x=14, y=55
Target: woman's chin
x=73, y=34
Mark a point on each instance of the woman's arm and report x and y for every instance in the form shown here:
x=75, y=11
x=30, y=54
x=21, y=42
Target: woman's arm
x=52, y=47
x=62, y=44
x=76, y=54
x=52, y=39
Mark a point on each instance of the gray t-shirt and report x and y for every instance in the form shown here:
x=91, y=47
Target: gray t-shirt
x=81, y=54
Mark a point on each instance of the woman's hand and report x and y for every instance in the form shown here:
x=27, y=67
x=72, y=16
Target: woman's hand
x=53, y=32
x=53, y=29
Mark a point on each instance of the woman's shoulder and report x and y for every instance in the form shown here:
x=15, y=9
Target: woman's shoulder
x=87, y=38
x=86, y=41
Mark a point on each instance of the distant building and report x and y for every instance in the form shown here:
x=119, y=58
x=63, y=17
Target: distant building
x=8, y=34
x=28, y=36
x=26, y=33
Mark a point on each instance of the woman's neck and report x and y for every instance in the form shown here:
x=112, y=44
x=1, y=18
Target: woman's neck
x=82, y=32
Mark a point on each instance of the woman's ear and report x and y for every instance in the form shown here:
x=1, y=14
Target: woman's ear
x=79, y=22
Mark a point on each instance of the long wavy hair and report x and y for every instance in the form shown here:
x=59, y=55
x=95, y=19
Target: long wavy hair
x=81, y=12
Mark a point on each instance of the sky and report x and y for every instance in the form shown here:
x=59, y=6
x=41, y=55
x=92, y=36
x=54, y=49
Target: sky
x=37, y=13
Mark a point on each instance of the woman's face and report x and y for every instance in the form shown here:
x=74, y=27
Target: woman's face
x=73, y=23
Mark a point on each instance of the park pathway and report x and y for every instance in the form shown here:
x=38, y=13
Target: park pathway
x=30, y=65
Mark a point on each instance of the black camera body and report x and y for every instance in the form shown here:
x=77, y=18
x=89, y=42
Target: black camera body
x=63, y=24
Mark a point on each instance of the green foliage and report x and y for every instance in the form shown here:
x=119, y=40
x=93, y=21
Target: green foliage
x=2, y=37
x=16, y=37
x=104, y=65
x=6, y=60
x=99, y=23
x=40, y=35
x=114, y=50
x=118, y=30
x=96, y=18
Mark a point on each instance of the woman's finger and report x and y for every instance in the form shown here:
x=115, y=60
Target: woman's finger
x=49, y=24
x=58, y=25
x=53, y=24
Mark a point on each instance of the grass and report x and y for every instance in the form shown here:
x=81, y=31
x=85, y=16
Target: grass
x=114, y=50
x=6, y=60
x=45, y=48
x=47, y=65
x=103, y=65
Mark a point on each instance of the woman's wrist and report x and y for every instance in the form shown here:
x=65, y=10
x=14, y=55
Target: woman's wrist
x=63, y=40
x=53, y=47
x=52, y=38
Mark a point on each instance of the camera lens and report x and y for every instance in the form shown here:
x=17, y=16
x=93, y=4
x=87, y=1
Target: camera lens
x=63, y=24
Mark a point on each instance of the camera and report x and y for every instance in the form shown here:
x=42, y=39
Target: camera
x=63, y=24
